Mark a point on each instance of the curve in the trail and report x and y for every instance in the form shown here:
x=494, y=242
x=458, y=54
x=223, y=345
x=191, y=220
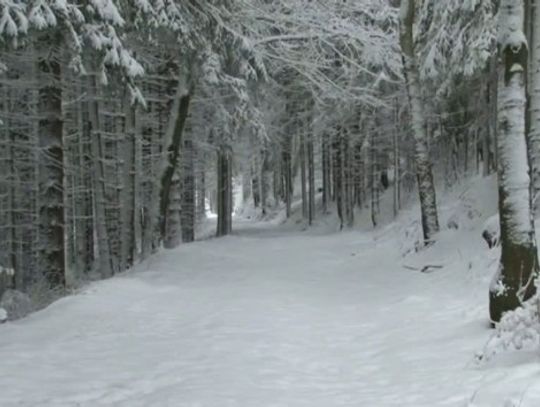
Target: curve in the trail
x=259, y=319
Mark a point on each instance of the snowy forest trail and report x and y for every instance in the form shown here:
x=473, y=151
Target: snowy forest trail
x=267, y=317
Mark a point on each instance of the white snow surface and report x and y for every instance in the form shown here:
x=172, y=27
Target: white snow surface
x=275, y=317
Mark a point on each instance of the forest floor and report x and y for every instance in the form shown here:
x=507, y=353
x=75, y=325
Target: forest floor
x=273, y=316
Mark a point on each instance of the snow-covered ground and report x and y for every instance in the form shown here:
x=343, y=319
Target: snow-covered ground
x=275, y=317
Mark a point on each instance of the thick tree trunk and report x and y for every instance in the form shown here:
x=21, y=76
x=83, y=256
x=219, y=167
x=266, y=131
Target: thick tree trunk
x=424, y=175
x=514, y=282
x=173, y=154
x=534, y=106
x=51, y=166
x=173, y=226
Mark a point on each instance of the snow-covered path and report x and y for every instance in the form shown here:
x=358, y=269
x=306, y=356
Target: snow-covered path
x=264, y=318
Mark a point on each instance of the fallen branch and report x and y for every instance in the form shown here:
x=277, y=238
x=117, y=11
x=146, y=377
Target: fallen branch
x=428, y=268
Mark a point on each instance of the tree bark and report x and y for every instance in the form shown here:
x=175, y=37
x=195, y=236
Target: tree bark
x=534, y=104
x=173, y=154
x=100, y=225
x=51, y=165
x=424, y=175
x=326, y=177
x=128, y=191
x=514, y=282
x=397, y=172
x=224, y=192
x=303, y=175
x=311, y=177
x=188, y=190
x=287, y=174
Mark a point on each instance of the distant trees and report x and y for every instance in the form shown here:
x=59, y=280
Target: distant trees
x=86, y=135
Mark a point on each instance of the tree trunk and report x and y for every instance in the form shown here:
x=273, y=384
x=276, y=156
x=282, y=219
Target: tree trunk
x=173, y=153
x=265, y=180
x=347, y=175
x=224, y=192
x=374, y=171
x=201, y=189
x=534, y=106
x=397, y=172
x=424, y=175
x=514, y=282
x=326, y=177
x=188, y=190
x=338, y=175
x=173, y=226
x=311, y=177
x=100, y=225
x=287, y=174
x=51, y=165
x=128, y=191
x=303, y=175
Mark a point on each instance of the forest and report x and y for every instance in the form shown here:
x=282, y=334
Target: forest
x=269, y=203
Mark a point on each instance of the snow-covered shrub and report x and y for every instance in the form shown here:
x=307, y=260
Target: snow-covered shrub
x=517, y=330
x=3, y=315
x=16, y=304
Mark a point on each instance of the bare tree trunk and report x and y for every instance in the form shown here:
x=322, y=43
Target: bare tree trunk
x=534, y=106
x=397, y=172
x=426, y=187
x=514, y=282
x=287, y=174
x=337, y=165
x=303, y=176
x=188, y=190
x=104, y=253
x=173, y=226
x=265, y=180
x=137, y=190
x=51, y=165
x=347, y=178
x=224, y=192
x=311, y=177
x=326, y=177
x=128, y=191
x=358, y=174
x=173, y=153
x=201, y=188
x=374, y=180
